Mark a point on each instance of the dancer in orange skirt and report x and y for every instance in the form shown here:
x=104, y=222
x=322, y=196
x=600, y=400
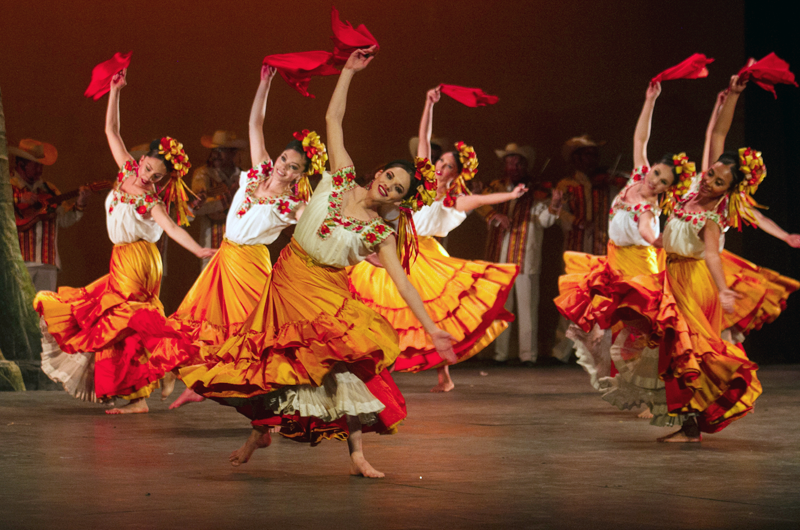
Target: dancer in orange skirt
x=92, y=342
x=465, y=298
x=268, y=200
x=311, y=357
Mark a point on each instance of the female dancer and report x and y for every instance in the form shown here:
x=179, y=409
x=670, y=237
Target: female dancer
x=228, y=289
x=99, y=322
x=633, y=249
x=465, y=298
x=312, y=358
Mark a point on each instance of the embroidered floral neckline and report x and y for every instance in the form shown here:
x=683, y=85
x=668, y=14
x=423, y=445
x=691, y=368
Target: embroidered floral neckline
x=698, y=219
x=634, y=210
x=286, y=203
x=143, y=203
x=372, y=232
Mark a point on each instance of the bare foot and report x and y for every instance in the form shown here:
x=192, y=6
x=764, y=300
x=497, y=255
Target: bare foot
x=167, y=385
x=256, y=440
x=445, y=382
x=646, y=414
x=136, y=406
x=360, y=466
x=681, y=436
x=188, y=396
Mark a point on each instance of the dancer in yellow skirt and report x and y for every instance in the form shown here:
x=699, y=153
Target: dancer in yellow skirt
x=465, y=298
x=268, y=200
x=311, y=357
x=92, y=341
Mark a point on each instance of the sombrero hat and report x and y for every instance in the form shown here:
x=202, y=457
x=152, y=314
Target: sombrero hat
x=442, y=143
x=36, y=151
x=524, y=151
x=223, y=139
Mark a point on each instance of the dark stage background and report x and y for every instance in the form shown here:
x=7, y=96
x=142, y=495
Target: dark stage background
x=560, y=69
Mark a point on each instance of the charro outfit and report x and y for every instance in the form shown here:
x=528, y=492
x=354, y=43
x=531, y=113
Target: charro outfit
x=464, y=298
x=39, y=243
x=521, y=245
x=91, y=339
x=311, y=353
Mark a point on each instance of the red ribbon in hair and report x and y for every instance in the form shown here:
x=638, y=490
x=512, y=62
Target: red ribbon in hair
x=347, y=39
x=471, y=97
x=767, y=72
x=104, y=72
x=298, y=68
x=692, y=68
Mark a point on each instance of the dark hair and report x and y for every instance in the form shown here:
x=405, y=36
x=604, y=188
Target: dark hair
x=457, y=157
x=409, y=168
x=668, y=161
x=729, y=158
x=153, y=153
x=297, y=145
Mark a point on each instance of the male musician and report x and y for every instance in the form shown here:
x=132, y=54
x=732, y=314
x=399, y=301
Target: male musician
x=515, y=236
x=37, y=226
x=220, y=173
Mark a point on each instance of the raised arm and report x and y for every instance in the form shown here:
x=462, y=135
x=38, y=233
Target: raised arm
x=258, y=148
x=181, y=236
x=724, y=119
x=642, y=133
x=337, y=154
x=442, y=340
x=426, y=123
x=121, y=154
x=712, y=122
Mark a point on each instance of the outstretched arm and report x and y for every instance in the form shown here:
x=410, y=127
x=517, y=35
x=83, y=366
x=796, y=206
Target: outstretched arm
x=181, y=236
x=724, y=119
x=337, y=154
x=442, y=340
x=121, y=154
x=712, y=122
x=771, y=227
x=642, y=133
x=258, y=148
x=426, y=123
x=465, y=203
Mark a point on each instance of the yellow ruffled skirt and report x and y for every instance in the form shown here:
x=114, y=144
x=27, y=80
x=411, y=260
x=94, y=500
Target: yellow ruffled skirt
x=464, y=298
x=305, y=332
x=106, y=318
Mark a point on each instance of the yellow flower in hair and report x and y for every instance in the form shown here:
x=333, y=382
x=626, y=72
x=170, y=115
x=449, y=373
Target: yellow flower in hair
x=315, y=151
x=469, y=164
x=741, y=202
x=685, y=171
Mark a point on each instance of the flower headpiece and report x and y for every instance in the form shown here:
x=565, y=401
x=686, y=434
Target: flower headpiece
x=176, y=191
x=318, y=156
x=685, y=172
x=741, y=202
x=469, y=164
x=424, y=178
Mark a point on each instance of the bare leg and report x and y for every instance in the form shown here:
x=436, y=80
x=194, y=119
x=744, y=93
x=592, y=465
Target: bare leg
x=646, y=414
x=689, y=433
x=167, y=385
x=188, y=396
x=258, y=439
x=359, y=464
x=445, y=383
x=136, y=406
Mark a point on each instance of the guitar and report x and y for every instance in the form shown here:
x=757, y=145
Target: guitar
x=47, y=204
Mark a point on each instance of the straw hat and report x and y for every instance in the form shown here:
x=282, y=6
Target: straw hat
x=578, y=142
x=223, y=139
x=442, y=143
x=35, y=151
x=524, y=151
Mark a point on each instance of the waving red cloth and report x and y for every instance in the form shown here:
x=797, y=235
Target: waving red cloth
x=347, y=39
x=692, y=68
x=768, y=72
x=103, y=72
x=298, y=68
x=471, y=97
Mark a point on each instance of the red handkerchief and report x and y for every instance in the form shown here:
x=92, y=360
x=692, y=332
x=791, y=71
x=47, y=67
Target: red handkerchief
x=768, y=72
x=471, y=97
x=347, y=39
x=298, y=68
x=103, y=72
x=692, y=68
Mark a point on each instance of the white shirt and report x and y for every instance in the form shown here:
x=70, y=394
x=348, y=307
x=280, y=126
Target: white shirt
x=437, y=219
x=125, y=213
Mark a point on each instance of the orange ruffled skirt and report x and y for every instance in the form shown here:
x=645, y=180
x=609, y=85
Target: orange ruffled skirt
x=464, y=298
x=108, y=317
x=306, y=326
